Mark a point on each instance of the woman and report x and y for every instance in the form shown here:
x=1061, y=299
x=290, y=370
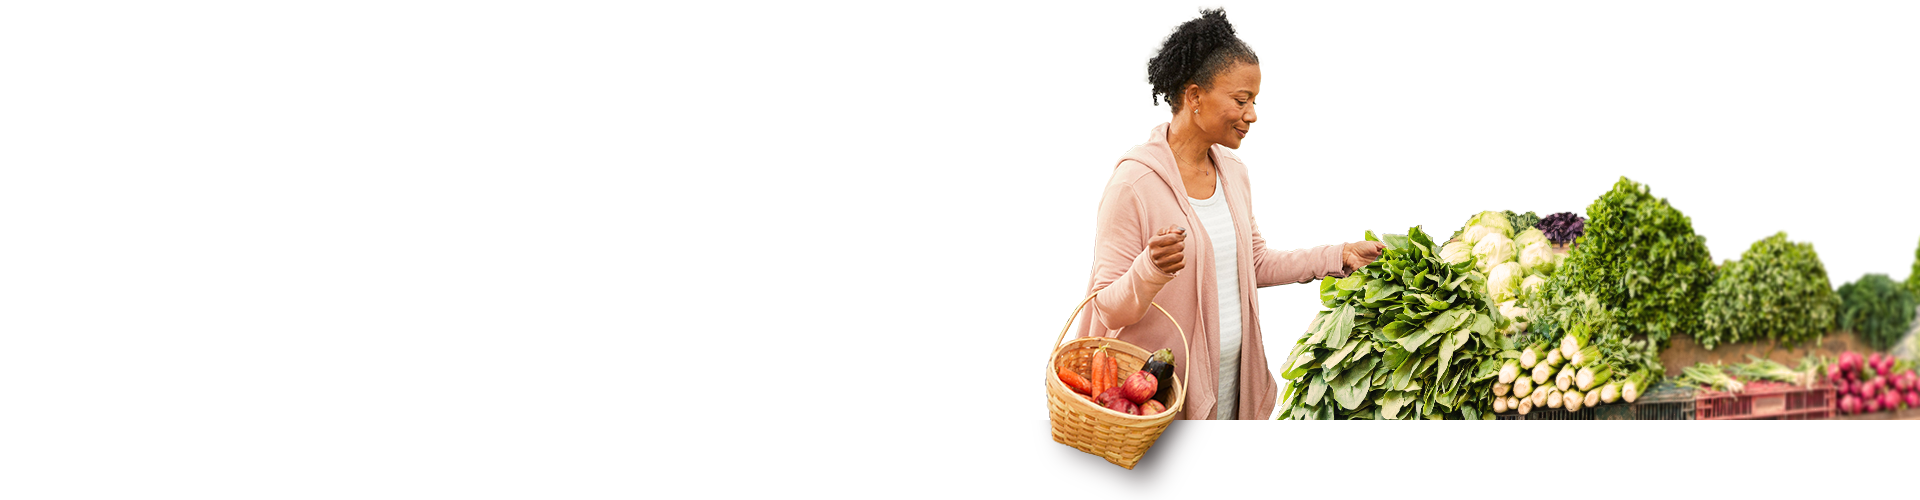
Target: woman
x=1185, y=190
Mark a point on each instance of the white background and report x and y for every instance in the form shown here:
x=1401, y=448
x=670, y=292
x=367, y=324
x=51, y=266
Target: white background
x=949, y=460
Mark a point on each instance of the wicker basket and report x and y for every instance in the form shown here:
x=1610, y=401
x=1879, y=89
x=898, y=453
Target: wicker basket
x=1118, y=437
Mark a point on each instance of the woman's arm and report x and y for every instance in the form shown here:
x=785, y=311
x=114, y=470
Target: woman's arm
x=1124, y=270
x=1274, y=267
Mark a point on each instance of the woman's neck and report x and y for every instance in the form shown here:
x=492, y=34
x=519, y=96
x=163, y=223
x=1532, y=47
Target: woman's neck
x=1188, y=149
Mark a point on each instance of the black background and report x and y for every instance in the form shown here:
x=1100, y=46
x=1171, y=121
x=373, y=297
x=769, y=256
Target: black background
x=1748, y=127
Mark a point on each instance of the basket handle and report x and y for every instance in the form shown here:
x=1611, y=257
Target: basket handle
x=1185, y=343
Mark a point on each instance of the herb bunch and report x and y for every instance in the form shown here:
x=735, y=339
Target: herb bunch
x=1777, y=291
x=1640, y=258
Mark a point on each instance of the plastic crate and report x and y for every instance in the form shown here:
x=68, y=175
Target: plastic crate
x=1548, y=414
x=1766, y=401
x=1665, y=401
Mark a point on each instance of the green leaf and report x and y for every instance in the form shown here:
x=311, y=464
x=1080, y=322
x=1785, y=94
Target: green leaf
x=1342, y=327
x=1321, y=326
x=1393, y=402
x=1315, y=389
x=1452, y=343
x=1328, y=293
x=1396, y=356
x=1482, y=323
x=1353, y=282
x=1361, y=353
x=1301, y=364
x=1403, y=375
x=1323, y=413
x=1413, y=343
x=1397, y=241
x=1340, y=355
x=1350, y=389
x=1396, y=330
x=1419, y=238
x=1381, y=291
x=1488, y=368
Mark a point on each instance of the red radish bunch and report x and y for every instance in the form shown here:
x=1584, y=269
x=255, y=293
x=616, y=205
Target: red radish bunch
x=1867, y=384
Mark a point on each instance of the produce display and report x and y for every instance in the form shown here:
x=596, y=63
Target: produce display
x=1873, y=383
x=1777, y=291
x=1138, y=393
x=1640, y=258
x=1408, y=336
x=1516, y=313
x=1877, y=308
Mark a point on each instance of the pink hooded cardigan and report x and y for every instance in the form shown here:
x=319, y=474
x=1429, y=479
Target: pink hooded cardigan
x=1145, y=194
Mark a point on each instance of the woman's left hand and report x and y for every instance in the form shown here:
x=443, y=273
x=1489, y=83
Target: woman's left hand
x=1360, y=253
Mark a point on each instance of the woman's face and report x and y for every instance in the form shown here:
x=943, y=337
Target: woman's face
x=1224, y=114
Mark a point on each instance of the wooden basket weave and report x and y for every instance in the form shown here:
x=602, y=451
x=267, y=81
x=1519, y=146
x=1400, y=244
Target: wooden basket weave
x=1118, y=437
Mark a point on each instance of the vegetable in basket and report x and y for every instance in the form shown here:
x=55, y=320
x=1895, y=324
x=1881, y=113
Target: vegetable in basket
x=1075, y=381
x=1160, y=364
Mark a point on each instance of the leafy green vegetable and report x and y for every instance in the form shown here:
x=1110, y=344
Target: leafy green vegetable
x=1640, y=259
x=1877, y=308
x=1408, y=336
x=1483, y=224
x=1778, y=291
x=1493, y=250
x=1522, y=222
x=1538, y=258
x=1913, y=278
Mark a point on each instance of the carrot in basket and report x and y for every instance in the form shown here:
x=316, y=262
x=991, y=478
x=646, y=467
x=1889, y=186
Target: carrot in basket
x=1105, y=371
x=1075, y=381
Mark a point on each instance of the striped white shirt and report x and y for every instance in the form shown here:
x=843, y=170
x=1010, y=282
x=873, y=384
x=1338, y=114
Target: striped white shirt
x=1217, y=221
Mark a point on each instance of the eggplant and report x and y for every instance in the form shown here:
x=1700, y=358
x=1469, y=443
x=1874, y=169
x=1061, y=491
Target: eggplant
x=1160, y=365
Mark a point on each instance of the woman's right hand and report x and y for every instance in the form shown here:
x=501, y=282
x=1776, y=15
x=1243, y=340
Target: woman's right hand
x=1168, y=249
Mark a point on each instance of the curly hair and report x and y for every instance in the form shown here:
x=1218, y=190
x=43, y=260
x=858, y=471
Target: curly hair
x=1195, y=53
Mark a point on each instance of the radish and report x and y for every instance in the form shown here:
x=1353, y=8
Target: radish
x=1873, y=405
x=1913, y=399
x=1849, y=404
x=1891, y=400
x=1869, y=389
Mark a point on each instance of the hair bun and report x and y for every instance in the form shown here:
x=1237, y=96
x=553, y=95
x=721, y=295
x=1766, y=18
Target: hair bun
x=1195, y=51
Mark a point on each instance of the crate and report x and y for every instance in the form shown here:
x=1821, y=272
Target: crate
x=1549, y=414
x=1665, y=401
x=1764, y=400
